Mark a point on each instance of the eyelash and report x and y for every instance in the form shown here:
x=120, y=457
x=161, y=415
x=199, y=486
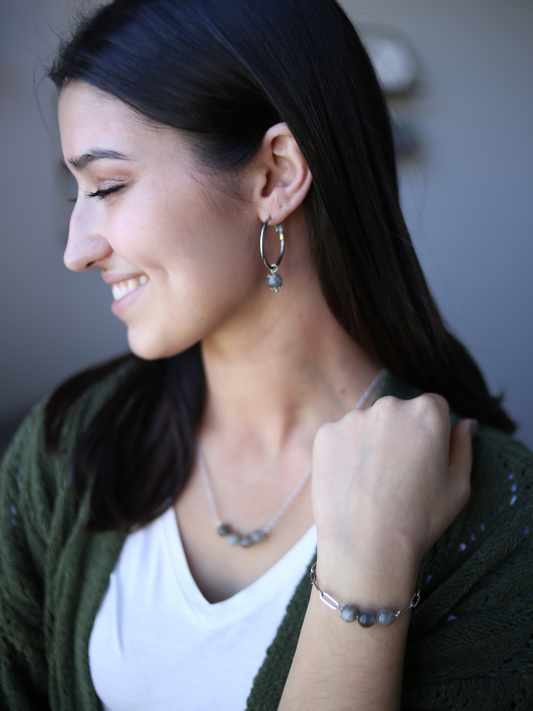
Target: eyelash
x=104, y=193
x=101, y=194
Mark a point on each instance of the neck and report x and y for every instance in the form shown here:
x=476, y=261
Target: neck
x=285, y=371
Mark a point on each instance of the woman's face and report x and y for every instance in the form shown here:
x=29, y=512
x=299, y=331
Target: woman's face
x=180, y=256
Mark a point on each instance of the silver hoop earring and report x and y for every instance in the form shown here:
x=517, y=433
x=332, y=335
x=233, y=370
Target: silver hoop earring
x=274, y=280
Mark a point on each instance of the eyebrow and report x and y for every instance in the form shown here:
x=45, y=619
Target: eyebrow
x=87, y=158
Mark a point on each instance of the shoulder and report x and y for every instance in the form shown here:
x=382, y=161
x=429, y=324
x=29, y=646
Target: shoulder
x=32, y=475
x=504, y=459
x=495, y=523
x=502, y=480
x=470, y=636
x=496, y=520
x=38, y=510
x=44, y=555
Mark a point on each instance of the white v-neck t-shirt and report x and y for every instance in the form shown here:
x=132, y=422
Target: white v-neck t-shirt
x=157, y=644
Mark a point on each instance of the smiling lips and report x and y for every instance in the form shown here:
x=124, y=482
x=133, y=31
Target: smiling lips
x=123, y=288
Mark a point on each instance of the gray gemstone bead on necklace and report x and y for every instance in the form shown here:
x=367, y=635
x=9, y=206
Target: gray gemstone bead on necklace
x=258, y=536
x=233, y=539
x=274, y=281
x=385, y=617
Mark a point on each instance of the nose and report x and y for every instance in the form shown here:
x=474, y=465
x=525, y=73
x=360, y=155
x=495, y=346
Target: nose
x=86, y=248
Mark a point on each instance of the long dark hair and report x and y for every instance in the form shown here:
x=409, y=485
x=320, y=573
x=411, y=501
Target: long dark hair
x=225, y=71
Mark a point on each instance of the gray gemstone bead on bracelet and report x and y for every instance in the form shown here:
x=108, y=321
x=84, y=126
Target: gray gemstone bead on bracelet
x=223, y=530
x=233, y=539
x=385, y=617
x=366, y=618
x=246, y=541
x=348, y=613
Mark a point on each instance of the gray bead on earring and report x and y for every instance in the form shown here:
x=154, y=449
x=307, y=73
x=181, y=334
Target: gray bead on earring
x=274, y=280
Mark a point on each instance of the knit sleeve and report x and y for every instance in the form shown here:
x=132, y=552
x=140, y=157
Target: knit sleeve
x=470, y=645
x=26, y=506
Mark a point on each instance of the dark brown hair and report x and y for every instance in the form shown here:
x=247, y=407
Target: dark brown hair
x=225, y=71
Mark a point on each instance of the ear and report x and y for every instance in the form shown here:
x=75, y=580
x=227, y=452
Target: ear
x=281, y=176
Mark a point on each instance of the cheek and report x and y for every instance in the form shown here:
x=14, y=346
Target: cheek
x=161, y=223
x=187, y=240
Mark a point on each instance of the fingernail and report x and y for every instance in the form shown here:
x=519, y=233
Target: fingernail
x=473, y=427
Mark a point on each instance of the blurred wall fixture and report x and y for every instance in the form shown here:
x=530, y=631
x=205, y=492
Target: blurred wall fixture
x=398, y=70
x=394, y=60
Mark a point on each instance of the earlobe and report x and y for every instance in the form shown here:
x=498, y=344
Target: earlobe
x=283, y=173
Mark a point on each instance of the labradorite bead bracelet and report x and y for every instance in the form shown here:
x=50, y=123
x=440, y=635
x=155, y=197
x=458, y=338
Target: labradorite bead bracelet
x=350, y=613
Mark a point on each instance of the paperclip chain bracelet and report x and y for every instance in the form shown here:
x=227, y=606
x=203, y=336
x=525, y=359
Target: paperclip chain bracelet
x=349, y=613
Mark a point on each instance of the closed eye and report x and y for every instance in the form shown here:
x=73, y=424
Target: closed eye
x=104, y=192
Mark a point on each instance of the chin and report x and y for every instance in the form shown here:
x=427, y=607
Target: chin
x=152, y=347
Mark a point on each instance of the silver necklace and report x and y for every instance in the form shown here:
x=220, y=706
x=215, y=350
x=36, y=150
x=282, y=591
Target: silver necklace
x=247, y=540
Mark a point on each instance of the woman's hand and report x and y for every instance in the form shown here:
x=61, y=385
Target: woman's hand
x=387, y=482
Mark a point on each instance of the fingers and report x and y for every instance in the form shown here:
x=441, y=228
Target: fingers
x=461, y=456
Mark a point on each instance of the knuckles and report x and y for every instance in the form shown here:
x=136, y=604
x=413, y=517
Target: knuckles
x=427, y=414
x=420, y=420
x=429, y=411
x=432, y=412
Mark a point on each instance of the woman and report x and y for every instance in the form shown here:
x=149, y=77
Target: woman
x=209, y=140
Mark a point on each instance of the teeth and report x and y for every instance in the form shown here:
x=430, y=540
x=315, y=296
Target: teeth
x=123, y=288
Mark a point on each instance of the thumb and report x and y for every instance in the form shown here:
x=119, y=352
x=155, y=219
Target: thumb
x=461, y=454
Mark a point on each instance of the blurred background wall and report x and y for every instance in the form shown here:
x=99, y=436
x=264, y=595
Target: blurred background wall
x=466, y=191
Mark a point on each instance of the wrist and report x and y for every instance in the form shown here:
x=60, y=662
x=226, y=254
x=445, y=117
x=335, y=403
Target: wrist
x=365, y=615
x=370, y=580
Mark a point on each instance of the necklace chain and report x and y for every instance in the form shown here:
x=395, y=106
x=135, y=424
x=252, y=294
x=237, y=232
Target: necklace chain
x=232, y=537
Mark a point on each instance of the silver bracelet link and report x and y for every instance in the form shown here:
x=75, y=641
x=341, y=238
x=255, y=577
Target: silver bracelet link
x=349, y=613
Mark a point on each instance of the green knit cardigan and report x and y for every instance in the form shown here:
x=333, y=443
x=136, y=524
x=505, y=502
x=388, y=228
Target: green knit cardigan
x=470, y=643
